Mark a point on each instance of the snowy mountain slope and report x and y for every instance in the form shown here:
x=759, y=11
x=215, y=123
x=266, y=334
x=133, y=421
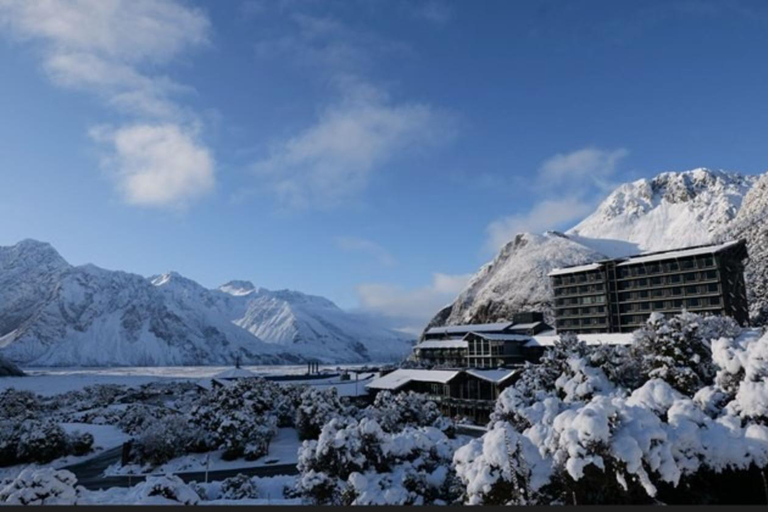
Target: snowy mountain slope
x=516, y=280
x=315, y=326
x=751, y=224
x=674, y=209
x=55, y=314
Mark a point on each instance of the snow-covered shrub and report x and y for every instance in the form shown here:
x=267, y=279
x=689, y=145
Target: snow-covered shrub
x=395, y=411
x=494, y=469
x=137, y=417
x=358, y=463
x=45, y=486
x=677, y=349
x=41, y=441
x=239, y=419
x=584, y=435
x=161, y=490
x=19, y=405
x=165, y=439
x=239, y=487
x=80, y=443
x=317, y=408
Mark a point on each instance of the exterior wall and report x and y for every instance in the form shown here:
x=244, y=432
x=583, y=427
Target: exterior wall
x=582, y=302
x=620, y=297
x=443, y=357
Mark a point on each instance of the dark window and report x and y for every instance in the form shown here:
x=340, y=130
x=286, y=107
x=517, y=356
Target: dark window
x=693, y=302
x=714, y=301
x=686, y=264
x=677, y=290
x=643, y=294
x=691, y=289
x=674, y=278
x=712, y=287
x=711, y=274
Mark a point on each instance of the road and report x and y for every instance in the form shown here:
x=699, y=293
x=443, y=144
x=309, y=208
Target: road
x=90, y=473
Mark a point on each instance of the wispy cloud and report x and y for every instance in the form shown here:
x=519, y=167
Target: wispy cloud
x=358, y=132
x=410, y=309
x=332, y=160
x=570, y=184
x=114, y=49
x=438, y=12
x=367, y=247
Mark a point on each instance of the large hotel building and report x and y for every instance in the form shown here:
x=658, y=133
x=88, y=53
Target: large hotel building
x=618, y=295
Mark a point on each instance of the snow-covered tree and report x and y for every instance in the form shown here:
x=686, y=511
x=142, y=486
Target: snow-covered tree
x=239, y=419
x=19, y=405
x=395, y=411
x=677, y=349
x=358, y=463
x=44, y=486
x=165, y=439
x=316, y=409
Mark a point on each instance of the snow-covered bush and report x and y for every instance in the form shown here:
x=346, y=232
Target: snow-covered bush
x=395, y=411
x=163, y=490
x=19, y=405
x=678, y=349
x=358, y=463
x=45, y=486
x=136, y=418
x=165, y=439
x=239, y=419
x=239, y=487
x=316, y=409
x=585, y=435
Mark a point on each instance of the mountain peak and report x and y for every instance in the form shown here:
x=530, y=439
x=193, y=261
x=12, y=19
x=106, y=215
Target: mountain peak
x=30, y=252
x=672, y=209
x=238, y=288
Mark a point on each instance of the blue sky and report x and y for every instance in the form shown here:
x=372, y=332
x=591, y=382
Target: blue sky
x=374, y=152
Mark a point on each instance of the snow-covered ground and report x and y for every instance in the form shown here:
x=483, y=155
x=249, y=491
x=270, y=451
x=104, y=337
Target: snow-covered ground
x=51, y=381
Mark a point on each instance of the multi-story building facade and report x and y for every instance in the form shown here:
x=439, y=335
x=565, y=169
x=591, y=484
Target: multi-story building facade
x=618, y=295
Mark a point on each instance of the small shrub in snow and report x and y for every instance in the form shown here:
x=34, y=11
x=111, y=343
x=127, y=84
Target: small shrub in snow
x=239, y=487
x=167, y=489
x=80, y=443
x=19, y=405
x=41, y=441
x=357, y=463
x=138, y=417
x=45, y=486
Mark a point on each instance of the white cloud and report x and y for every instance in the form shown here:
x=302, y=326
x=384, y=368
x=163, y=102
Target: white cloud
x=332, y=160
x=365, y=246
x=570, y=183
x=113, y=49
x=411, y=309
x=158, y=165
x=544, y=215
x=438, y=12
x=101, y=45
x=593, y=164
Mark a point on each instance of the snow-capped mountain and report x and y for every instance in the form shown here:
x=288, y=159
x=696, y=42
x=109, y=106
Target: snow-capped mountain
x=56, y=314
x=751, y=224
x=674, y=209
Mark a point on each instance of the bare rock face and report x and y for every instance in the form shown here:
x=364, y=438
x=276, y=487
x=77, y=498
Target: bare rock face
x=8, y=369
x=674, y=209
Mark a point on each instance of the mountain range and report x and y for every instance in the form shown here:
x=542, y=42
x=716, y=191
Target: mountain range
x=56, y=314
x=673, y=209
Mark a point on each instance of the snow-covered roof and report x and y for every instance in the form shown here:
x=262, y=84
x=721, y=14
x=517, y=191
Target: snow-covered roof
x=683, y=253
x=401, y=377
x=547, y=338
x=531, y=325
x=577, y=268
x=453, y=329
x=234, y=373
x=496, y=376
x=450, y=343
x=502, y=337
